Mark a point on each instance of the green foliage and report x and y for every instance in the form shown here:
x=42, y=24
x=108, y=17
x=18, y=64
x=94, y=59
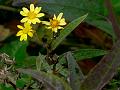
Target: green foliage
x=28, y=62
x=84, y=54
x=6, y=87
x=88, y=53
x=41, y=63
x=24, y=81
x=76, y=75
x=72, y=10
x=114, y=84
x=116, y=5
x=15, y=49
x=20, y=83
x=51, y=81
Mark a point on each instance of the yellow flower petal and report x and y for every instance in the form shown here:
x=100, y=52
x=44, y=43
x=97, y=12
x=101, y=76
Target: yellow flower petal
x=54, y=30
x=24, y=20
x=31, y=7
x=54, y=17
x=37, y=10
x=27, y=25
x=48, y=27
x=30, y=34
x=23, y=37
x=60, y=28
x=40, y=15
x=20, y=27
x=59, y=16
x=32, y=31
x=25, y=10
x=29, y=21
x=23, y=13
x=62, y=22
x=45, y=22
x=35, y=20
x=19, y=33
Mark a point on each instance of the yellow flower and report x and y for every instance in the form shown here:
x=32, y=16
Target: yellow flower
x=55, y=23
x=32, y=15
x=26, y=30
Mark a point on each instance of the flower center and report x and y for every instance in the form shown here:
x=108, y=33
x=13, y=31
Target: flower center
x=54, y=23
x=31, y=15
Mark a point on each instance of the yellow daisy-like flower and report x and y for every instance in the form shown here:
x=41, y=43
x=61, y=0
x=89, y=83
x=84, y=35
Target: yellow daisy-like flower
x=32, y=15
x=55, y=23
x=26, y=30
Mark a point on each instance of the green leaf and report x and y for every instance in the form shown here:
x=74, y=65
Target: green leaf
x=67, y=30
x=6, y=87
x=20, y=83
x=76, y=75
x=51, y=82
x=116, y=5
x=41, y=63
x=15, y=49
x=84, y=54
x=88, y=53
x=29, y=61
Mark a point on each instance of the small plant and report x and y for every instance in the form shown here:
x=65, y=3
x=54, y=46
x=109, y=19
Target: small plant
x=45, y=54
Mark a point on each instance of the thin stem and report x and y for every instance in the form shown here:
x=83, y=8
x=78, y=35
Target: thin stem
x=112, y=18
x=2, y=7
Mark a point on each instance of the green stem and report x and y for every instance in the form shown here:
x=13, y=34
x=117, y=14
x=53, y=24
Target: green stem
x=2, y=7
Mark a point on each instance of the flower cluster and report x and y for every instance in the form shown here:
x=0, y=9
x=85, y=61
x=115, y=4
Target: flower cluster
x=32, y=16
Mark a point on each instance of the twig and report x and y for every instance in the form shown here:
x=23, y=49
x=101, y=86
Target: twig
x=112, y=18
x=2, y=7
